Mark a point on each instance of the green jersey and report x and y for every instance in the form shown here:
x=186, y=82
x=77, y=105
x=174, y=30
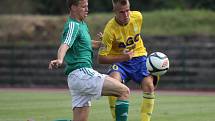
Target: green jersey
x=77, y=37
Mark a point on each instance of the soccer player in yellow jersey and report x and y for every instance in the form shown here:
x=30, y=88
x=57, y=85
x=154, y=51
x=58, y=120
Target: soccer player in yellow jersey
x=124, y=49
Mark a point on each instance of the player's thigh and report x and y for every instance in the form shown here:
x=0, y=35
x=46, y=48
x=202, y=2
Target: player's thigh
x=81, y=114
x=112, y=87
x=116, y=75
x=147, y=84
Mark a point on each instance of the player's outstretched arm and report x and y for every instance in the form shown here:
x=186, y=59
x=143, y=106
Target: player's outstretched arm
x=60, y=56
x=109, y=59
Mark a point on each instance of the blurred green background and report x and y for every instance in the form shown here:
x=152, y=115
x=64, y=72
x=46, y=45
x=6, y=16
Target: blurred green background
x=54, y=7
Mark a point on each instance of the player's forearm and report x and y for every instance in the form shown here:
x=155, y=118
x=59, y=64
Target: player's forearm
x=62, y=51
x=112, y=59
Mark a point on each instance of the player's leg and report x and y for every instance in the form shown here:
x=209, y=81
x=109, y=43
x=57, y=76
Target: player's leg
x=112, y=104
x=143, y=77
x=113, y=87
x=112, y=99
x=84, y=84
x=148, y=98
x=81, y=114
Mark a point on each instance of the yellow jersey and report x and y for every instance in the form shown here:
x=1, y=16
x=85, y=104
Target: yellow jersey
x=117, y=38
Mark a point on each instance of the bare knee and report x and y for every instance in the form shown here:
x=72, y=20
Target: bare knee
x=124, y=93
x=124, y=90
x=80, y=114
x=147, y=84
x=113, y=87
x=148, y=88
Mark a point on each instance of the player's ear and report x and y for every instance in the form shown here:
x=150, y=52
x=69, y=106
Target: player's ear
x=73, y=7
x=114, y=9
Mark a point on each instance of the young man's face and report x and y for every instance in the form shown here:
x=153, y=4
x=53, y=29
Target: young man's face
x=82, y=9
x=122, y=13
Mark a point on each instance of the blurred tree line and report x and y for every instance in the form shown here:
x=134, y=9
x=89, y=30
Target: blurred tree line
x=54, y=7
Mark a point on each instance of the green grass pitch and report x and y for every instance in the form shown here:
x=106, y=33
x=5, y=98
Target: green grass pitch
x=48, y=105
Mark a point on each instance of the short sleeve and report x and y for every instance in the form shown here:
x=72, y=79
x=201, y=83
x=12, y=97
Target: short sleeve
x=70, y=33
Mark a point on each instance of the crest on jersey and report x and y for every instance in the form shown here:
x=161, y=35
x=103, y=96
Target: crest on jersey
x=115, y=67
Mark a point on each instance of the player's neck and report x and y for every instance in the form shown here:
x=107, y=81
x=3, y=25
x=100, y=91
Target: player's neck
x=75, y=17
x=121, y=23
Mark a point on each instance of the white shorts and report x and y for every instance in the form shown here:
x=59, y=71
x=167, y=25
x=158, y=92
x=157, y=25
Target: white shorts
x=84, y=85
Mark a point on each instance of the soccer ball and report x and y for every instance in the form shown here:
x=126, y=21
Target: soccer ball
x=157, y=63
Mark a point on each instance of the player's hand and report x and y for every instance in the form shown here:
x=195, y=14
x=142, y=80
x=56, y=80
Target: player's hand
x=130, y=47
x=130, y=53
x=55, y=64
x=99, y=36
x=97, y=42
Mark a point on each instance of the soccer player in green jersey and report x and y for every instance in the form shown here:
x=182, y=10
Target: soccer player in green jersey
x=85, y=83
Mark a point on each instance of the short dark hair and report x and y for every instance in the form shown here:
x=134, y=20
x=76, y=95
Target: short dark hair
x=121, y=2
x=72, y=2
